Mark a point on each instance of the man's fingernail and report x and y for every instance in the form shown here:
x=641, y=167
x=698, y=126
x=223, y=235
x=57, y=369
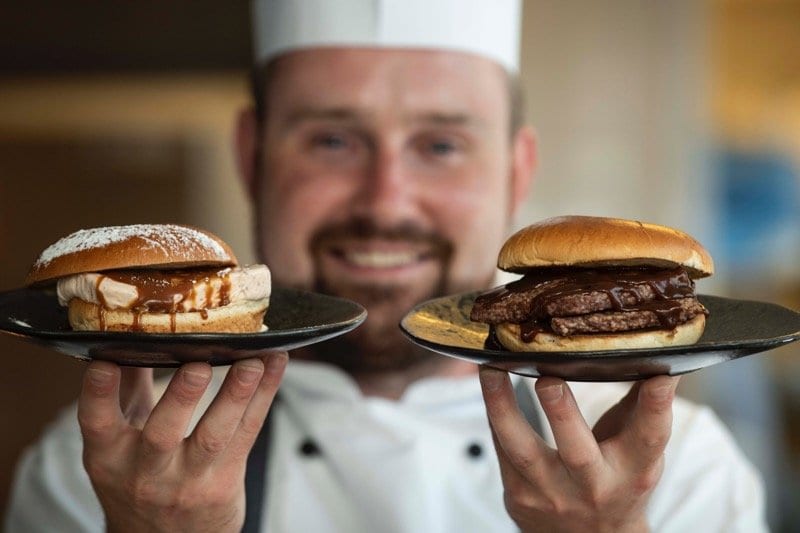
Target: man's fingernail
x=249, y=373
x=276, y=361
x=195, y=379
x=492, y=379
x=551, y=393
x=99, y=378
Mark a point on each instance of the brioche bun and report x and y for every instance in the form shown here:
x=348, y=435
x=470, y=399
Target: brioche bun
x=240, y=317
x=583, y=241
x=137, y=246
x=687, y=333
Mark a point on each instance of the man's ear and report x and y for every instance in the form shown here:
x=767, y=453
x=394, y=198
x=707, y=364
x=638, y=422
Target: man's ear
x=524, y=161
x=246, y=147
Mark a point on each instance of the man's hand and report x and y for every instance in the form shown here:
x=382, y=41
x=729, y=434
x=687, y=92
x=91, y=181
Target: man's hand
x=596, y=480
x=147, y=474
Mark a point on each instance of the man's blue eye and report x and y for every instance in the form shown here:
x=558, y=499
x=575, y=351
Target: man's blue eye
x=442, y=148
x=333, y=142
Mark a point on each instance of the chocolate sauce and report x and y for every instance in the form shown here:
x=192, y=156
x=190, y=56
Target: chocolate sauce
x=161, y=291
x=668, y=312
x=492, y=342
x=529, y=330
x=101, y=317
x=558, y=283
x=551, y=284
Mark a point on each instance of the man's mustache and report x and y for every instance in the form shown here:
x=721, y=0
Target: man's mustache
x=363, y=228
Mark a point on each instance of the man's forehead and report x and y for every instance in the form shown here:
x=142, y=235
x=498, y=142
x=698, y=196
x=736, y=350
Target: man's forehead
x=439, y=85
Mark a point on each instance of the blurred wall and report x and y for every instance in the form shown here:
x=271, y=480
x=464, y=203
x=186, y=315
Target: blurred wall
x=616, y=90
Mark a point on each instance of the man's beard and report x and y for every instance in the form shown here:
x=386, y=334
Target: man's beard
x=373, y=347
x=378, y=345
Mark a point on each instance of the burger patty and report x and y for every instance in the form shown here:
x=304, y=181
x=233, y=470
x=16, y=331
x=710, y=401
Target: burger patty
x=513, y=307
x=586, y=301
x=516, y=307
x=609, y=322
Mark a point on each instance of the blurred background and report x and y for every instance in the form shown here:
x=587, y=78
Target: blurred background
x=685, y=113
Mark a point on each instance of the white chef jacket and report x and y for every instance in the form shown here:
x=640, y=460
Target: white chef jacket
x=403, y=466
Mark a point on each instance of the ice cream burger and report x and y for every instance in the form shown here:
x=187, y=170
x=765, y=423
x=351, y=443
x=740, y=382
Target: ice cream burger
x=593, y=283
x=153, y=278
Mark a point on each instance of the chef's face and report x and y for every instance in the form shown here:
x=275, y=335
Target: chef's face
x=384, y=176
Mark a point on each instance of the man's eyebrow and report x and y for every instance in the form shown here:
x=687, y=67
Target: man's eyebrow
x=339, y=114
x=349, y=114
x=441, y=118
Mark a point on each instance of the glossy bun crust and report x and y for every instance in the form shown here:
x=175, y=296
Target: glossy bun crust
x=687, y=333
x=597, y=241
x=135, y=246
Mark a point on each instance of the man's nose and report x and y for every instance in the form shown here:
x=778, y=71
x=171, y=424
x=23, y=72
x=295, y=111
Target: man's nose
x=387, y=188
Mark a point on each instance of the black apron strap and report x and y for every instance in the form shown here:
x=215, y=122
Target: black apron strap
x=255, y=476
x=527, y=404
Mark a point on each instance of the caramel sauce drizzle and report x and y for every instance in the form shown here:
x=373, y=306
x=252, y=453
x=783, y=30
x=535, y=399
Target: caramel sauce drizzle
x=163, y=291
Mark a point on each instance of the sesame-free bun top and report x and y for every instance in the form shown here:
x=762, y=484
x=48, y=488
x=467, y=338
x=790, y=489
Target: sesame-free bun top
x=583, y=241
x=160, y=246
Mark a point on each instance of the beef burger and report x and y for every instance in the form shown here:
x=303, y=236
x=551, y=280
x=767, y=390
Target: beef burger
x=593, y=283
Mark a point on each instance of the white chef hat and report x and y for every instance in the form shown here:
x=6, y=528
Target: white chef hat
x=488, y=28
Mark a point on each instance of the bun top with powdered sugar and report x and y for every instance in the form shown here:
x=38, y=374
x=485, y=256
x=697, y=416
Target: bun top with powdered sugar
x=163, y=246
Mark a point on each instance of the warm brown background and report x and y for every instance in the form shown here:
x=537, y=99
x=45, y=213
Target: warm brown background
x=118, y=112
x=110, y=113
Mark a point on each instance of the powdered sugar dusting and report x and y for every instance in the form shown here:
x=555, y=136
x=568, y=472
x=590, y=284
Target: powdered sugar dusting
x=169, y=237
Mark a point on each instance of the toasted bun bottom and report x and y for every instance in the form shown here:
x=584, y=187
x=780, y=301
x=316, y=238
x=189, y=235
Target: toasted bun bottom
x=686, y=333
x=240, y=317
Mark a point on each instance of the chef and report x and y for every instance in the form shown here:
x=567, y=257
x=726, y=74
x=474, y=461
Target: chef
x=385, y=156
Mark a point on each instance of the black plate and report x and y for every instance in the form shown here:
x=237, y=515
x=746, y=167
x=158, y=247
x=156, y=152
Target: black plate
x=294, y=319
x=735, y=328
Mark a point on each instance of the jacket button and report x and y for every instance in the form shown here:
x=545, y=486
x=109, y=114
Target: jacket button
x=309, y=448
x=474, y=450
